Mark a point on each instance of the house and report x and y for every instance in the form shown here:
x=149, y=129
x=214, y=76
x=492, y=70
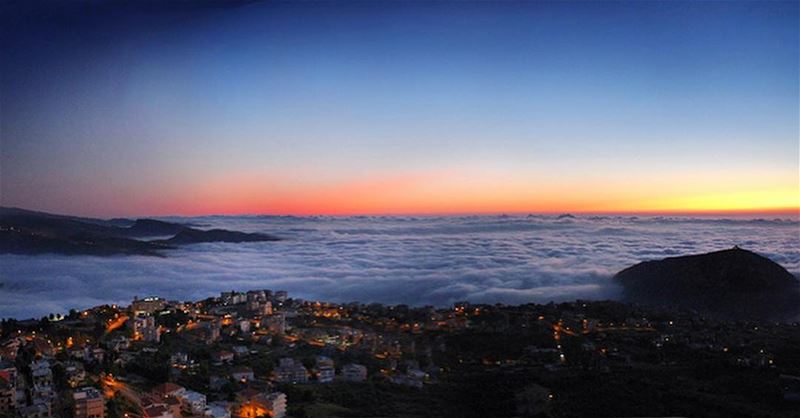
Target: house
x=216, y=382
x=75, y=373
x=97, y=354
x=193, y=402
x=169, y=389
x=275, y=323
x=276, y=404
x=147, y=306
x=174, y=406
x=242, y=374
x=157, y=411
x=253, y=404
x=222, y=356
x=37, y=410
x=413, y=378
x=89, y=403
x=325, y=369
x=244, y=325
x=41, y=373
x=354, y=372
x=8, y=389
x=119, y=343
x=288, y=371
x=145, y=329
x=218, y=410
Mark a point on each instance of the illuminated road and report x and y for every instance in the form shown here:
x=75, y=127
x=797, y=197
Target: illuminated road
x=116, y=323
x=112, y=387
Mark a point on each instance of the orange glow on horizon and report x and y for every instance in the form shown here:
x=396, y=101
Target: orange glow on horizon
x=465, y=192
x=458, y=192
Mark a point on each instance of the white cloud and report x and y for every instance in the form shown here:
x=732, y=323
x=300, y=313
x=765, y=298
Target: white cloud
x=417, y=261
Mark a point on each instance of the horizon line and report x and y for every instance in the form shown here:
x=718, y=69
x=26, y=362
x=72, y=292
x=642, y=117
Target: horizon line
x=790, y=212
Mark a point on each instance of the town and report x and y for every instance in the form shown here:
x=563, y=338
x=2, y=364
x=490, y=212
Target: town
x=263, y=354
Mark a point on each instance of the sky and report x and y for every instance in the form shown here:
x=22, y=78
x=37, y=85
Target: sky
x=191, y=108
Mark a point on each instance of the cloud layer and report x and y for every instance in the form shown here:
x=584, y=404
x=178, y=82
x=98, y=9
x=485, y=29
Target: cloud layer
x=418, y=261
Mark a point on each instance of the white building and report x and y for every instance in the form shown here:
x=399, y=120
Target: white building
x=41, y=373
x=145, y=329
x=354, y=372
x=147, y=306
x=276, y=403
x=193, y=401
x=289, y=371
x=218, y=410
x=325, y=369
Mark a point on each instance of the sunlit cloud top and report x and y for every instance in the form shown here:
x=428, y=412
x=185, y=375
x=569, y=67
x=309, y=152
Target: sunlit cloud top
x=389, y=108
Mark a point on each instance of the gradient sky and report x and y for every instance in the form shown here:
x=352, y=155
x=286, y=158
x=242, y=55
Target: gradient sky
x=406, y=107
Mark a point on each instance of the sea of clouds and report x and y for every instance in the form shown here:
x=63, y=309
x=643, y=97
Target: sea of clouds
x=411, y=260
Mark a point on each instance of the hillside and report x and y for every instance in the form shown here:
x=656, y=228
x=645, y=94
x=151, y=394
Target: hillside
x=733, y=283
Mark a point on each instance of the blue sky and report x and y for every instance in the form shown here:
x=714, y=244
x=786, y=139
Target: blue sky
x=399, y=107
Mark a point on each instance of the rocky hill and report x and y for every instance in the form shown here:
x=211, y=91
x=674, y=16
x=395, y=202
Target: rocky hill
x=734, y=283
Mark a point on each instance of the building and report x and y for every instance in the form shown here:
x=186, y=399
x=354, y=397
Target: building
x=145, y=329
x=281, y=296
x=325, y=369
x=157, y=411
x=217, y=410
x=266, y=308
x=193, y=402
x=147, y=306
x=169, y=389
x=276, y=404
x=254, y=404
x=222, y=356
x=233, y=298
x=242, y=374
x=275, y=324
x=244, y=325
x=37, y=410
x=41, y=373
x=89, y=403
x=256, y=296
x=119, y=343
x=354, y=372
x=214, y=328
x=8, y=392
x=75, y=373
x=289, y=371
x=174, y=405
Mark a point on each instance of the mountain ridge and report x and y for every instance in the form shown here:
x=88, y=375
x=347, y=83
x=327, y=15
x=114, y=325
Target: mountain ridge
x=30, y=232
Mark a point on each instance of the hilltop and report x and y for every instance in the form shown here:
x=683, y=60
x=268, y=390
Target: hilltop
x=733, y=283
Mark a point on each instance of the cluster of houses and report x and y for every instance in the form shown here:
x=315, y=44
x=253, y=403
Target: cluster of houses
x=29, y=398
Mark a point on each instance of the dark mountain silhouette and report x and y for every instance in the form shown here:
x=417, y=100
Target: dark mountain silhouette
x=29, y=232
x=152, y=227
x=15, y=240
x=734, y=283
x=193, y=236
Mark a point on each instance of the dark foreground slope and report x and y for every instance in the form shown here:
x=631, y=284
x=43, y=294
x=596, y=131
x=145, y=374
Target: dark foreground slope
x=735, y=283
x=29, y=232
